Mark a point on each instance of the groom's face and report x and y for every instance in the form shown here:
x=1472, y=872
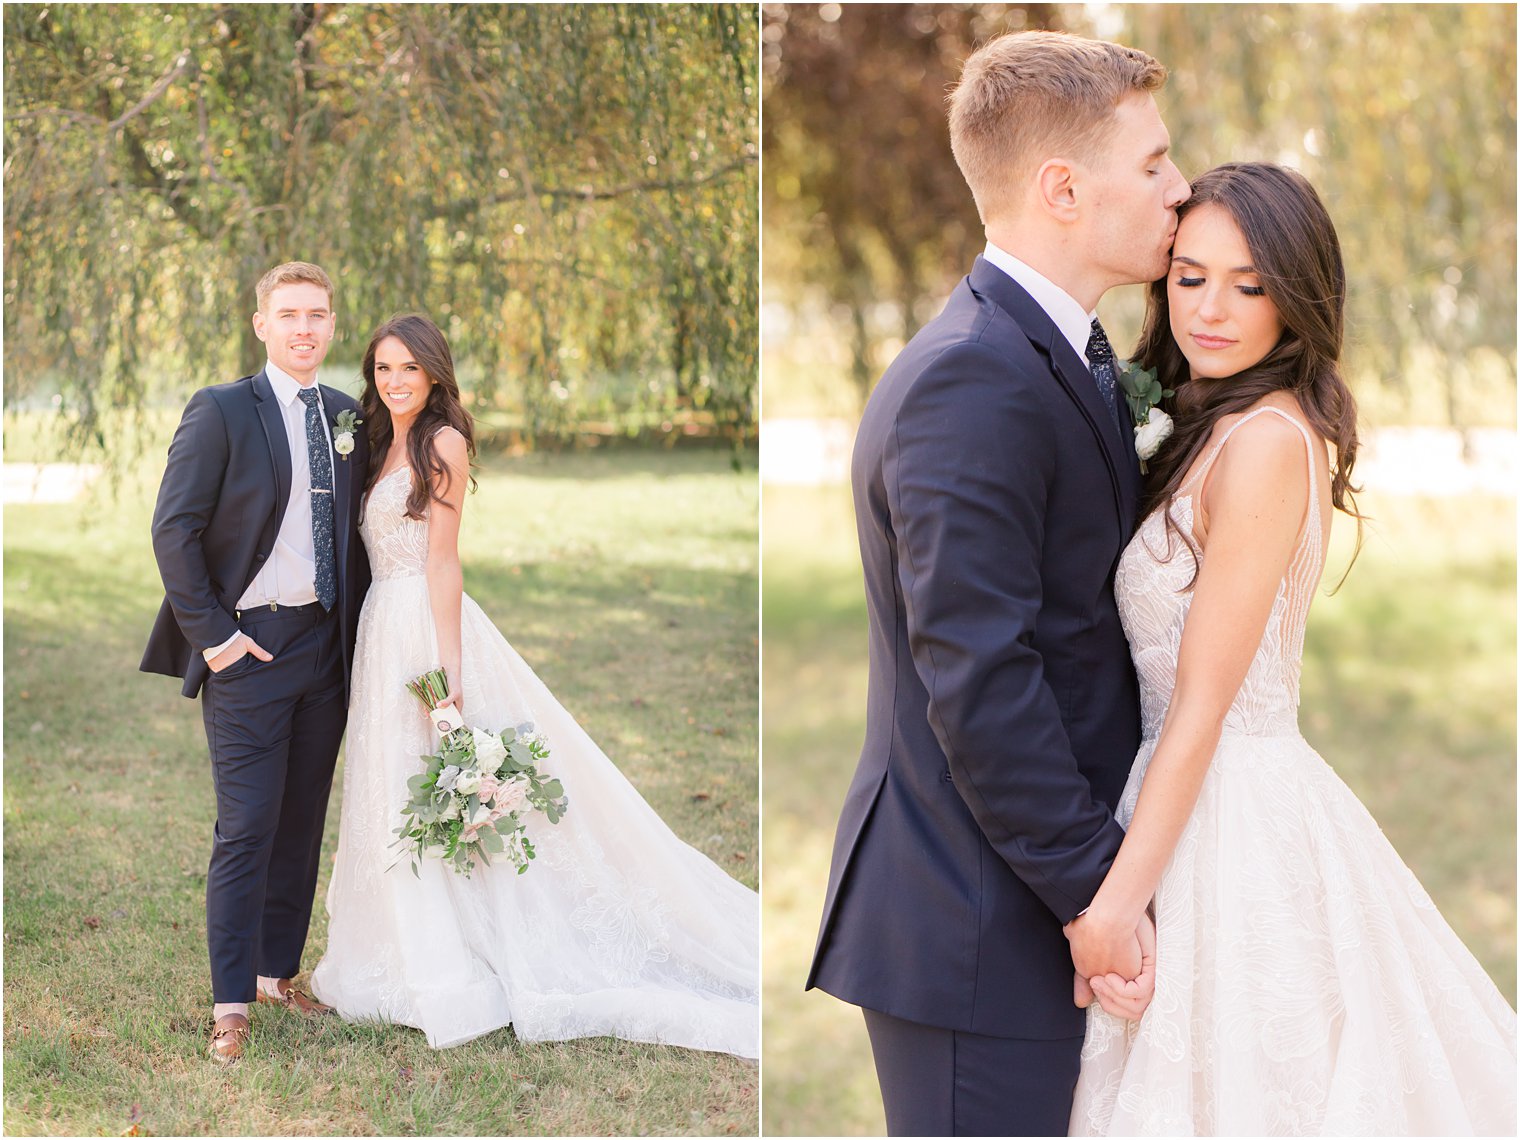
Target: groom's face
x=1135, y=194
x=296, y=325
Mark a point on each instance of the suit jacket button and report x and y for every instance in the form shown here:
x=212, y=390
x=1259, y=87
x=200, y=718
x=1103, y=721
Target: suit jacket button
x=258, y=558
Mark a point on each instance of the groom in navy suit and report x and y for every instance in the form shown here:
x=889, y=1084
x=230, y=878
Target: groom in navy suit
x=256, y=536
x=995, y=484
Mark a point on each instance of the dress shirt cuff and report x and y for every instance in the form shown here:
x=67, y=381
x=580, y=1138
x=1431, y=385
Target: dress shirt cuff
x=216, y=649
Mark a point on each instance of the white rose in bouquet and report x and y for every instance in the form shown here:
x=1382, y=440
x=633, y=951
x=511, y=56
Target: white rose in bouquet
x=469, y=781
x=489, y=750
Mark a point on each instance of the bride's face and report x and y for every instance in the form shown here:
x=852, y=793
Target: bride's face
x=402, y=383
x=1222, y=319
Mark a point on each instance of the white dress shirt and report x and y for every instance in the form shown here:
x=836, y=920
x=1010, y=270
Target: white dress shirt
x=1059, y=305
x=289, y=575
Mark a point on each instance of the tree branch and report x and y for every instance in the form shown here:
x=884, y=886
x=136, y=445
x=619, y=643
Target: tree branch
x=589, y=193
x=155, y=93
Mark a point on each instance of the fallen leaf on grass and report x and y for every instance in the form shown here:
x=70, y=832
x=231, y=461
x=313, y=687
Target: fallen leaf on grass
x=92, y=922
x=700, y=797
x=737, y=856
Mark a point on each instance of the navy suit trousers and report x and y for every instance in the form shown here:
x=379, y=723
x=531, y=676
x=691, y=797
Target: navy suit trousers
x=945, y=1082
x=273, y=728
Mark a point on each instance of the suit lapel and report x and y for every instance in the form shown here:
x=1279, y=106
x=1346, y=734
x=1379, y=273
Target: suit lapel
x=342, y=482
x=272, y=417
x=1073, y=376
x=1129, y=470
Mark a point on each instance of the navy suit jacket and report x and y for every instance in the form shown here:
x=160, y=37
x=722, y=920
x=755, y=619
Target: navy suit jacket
x=993, y=496
x=220, y=505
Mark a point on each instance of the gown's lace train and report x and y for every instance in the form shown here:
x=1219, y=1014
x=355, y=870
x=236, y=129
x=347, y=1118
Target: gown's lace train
x=1305, y=983
x=618, y=928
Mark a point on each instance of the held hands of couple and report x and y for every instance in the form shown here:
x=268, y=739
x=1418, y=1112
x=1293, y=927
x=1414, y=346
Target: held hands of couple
x=234, y=652
x=1114, y=965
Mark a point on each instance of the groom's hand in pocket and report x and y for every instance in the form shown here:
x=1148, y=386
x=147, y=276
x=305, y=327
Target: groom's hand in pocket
x=234, y=652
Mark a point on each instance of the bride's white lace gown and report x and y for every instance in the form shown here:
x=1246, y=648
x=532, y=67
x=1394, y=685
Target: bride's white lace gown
x=618, y=928
x=1305, y=983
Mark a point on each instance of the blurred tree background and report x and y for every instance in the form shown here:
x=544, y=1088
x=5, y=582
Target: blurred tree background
x=1403, y=116
x=568, y=190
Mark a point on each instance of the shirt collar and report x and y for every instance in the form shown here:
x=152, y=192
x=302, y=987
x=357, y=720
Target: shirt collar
x=1059, y=305
x=285, y=385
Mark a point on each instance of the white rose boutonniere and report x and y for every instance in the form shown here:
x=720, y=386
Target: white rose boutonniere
x=1150, y=435
x=1142, y=391
x=343, y=437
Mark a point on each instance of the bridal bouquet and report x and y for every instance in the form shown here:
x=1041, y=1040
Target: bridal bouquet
x=476, y=791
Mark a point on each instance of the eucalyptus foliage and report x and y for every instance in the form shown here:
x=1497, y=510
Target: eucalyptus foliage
x=568, y=190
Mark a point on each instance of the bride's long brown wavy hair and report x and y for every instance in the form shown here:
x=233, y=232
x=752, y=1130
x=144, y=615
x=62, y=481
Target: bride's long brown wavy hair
x=430, y=349
x=1297, y=256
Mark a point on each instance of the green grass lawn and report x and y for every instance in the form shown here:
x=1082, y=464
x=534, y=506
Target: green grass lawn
x=1408, y=691
x=628, y=581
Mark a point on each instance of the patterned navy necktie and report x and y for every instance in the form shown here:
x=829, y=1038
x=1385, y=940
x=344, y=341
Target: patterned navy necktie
x=1100, y=358
x=320, y=463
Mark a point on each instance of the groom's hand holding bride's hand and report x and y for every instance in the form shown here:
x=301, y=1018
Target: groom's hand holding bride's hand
x=1128, y=998
x=1114, y=964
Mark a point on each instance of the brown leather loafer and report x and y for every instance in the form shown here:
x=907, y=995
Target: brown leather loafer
x=292, y=998
x=228, y=1036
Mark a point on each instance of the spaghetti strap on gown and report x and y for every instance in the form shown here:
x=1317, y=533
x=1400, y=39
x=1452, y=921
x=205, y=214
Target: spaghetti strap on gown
x=617, y=929
x=1305, y=983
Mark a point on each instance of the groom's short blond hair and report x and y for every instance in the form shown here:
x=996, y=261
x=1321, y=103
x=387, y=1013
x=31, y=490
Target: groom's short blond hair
x=292, y=273
x=1031, y=96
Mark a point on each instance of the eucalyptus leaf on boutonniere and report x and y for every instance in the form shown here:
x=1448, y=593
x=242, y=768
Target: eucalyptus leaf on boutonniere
x=343, y=437
x=1143, y=391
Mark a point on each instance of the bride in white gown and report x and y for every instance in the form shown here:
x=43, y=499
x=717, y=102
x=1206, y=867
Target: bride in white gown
x=1304, y=983
x=618, y=928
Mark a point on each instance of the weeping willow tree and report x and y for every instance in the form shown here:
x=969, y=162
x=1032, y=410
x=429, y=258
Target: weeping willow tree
x=568, y=190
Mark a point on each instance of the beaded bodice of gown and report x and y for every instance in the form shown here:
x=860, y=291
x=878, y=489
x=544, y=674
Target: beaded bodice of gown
x=397, y=545
x=1152, y=589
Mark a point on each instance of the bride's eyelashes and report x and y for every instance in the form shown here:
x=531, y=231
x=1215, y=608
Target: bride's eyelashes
x=1248, y=290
